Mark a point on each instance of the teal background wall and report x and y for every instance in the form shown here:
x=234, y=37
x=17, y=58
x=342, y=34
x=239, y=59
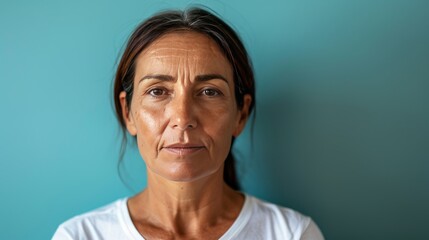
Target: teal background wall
x=341, y=133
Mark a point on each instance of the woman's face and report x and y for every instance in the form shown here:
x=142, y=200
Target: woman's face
x=183, y=109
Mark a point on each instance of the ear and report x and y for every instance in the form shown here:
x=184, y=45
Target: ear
x=243, y=115
x=127, y=115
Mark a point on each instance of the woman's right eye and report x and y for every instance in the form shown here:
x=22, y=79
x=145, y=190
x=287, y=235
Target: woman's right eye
x=157, y=92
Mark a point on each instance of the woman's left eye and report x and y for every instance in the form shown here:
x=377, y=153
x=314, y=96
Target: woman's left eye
x=211, y=92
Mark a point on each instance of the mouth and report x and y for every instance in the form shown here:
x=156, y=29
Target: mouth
x=183, y=149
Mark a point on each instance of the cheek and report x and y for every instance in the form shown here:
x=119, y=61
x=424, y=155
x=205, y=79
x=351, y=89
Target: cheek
x=148, y=117
x=220, y=124
x=222, y=117
x=147, y=121
x=149, y=129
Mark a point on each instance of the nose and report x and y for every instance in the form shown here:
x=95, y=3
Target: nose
x=182, y=112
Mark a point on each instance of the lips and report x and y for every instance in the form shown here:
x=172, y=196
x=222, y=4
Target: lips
x=183, y=149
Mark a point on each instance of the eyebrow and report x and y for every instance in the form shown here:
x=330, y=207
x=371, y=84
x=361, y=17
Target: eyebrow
x=199, y=78
x=158, y=76
x=207, y=77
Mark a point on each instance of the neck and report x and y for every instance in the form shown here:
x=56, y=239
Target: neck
x=182, y=207
x=185, y=196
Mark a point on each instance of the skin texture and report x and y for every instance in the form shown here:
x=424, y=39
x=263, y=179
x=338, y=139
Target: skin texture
x=184, y=114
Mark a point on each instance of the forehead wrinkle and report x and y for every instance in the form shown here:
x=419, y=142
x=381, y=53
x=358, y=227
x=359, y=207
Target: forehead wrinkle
x=182, y=54
x=188, y=54
x=186, y=49
x=200, y=64
x=179, y=42
x=156, y=53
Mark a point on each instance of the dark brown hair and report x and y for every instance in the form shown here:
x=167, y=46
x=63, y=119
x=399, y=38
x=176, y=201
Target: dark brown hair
x=196, y=20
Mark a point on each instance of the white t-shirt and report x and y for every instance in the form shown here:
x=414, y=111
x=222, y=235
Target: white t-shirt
x=257, y=220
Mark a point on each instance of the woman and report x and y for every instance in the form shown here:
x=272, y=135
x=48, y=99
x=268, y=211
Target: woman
x=184, y=89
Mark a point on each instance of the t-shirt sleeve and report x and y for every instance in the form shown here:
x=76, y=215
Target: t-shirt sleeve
x=312, y=232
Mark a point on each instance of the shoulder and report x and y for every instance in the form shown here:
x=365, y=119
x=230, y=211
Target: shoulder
x=272, y=221
x=89, y=224
x=293, y=220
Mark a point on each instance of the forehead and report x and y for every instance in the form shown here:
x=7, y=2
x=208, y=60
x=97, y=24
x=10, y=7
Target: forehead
x=183, y=49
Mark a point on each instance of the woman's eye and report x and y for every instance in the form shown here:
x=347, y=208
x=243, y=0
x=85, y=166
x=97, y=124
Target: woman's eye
x=156, y=92
x=211, y=92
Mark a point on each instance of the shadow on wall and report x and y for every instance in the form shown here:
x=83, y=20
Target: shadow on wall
x=327, y=146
